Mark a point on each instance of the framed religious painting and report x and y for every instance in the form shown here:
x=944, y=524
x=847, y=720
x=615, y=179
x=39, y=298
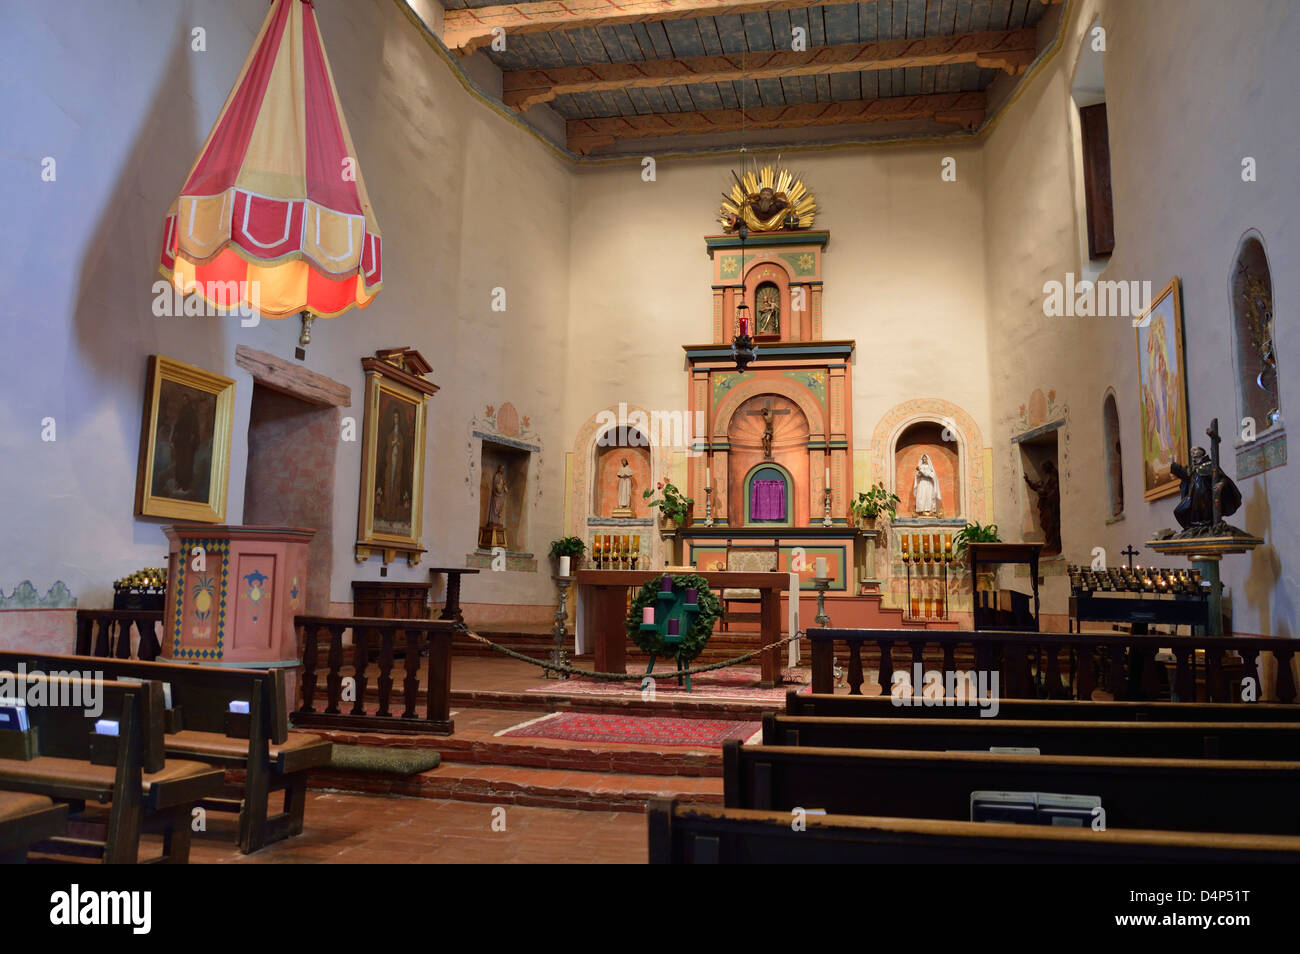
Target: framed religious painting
x=1162, y=391
x=392, y=448
x=184, y=443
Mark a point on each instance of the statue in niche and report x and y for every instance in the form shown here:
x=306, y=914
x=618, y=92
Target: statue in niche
x=624, y=475
x=1208, y=494
x=1049, y=506
x=768, y=306
x=926, y=497
x=493, y=532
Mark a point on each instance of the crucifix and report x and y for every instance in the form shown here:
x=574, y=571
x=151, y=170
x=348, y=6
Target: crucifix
x=767, y=414
x=1216, y=488
x=1131, y=552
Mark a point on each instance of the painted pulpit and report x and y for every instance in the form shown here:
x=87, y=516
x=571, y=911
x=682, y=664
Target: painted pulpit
x=232, y=593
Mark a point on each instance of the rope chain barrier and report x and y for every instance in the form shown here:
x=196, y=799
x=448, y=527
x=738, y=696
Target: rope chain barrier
x=630, y=677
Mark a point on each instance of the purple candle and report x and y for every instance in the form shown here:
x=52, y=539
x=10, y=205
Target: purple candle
x=692, y=596
x=674, y=627
x=666, y=584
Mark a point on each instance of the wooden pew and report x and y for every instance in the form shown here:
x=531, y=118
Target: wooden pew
x=1170, y=740
x=200, y=726
x=1203, y=795
x=696, y=834
x=61, y=756
x=868, y=707
x=26, y=819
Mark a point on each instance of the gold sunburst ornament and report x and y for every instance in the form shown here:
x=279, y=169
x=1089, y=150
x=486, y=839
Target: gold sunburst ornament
x=766, y=200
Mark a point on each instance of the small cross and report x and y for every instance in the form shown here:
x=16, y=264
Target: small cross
x=1130, y=553
x=1212, y=432
x=768, y=407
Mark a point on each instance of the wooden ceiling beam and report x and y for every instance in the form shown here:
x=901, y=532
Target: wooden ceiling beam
x=1009, y=50
x=468, y=29
x=963, y=109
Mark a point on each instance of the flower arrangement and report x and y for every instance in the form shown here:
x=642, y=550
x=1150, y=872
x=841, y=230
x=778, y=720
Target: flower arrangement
x=672, y=503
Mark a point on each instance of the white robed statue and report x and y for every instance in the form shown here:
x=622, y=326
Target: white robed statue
x=624, y=475
x=925, y=489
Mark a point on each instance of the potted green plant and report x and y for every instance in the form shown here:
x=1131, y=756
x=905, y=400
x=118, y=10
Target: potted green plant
x=868, y=506
x=976, y=533
x=674, y=506
x=571, y=547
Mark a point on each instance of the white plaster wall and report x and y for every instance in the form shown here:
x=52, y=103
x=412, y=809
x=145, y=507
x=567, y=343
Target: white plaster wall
x=466, y=202
x=1192, y=87
x=904, y=276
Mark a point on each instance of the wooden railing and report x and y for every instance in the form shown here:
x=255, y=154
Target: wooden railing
x=381, y=639
x=1059, y=665
x=107, y=633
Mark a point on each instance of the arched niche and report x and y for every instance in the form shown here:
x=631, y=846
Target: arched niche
x=789, y=452
x=1113, y=455
x=926, y=438
x=973, y=499
x=611, y=448
x=761, y=503
x=1254, y=350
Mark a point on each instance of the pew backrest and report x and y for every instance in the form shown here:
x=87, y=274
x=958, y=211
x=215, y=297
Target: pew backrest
x=1188, y=740
x=1162, y=794
x=697, y=834
x=1059, y=709
x=200, y=695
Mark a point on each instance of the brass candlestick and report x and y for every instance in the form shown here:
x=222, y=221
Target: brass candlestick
x=560, y=652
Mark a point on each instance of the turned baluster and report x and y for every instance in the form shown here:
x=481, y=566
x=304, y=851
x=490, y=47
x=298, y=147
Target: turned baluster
x=886, y=665
x=103, y=642
x=122, y=648
x=411, y=685
x=918, y=658
x=855, y=667
x=1250, y=674
x=385, y=670
x=334, y=680
x=149, y=648
x=360, y=660
x=1285, y=678
x=949, y=660
x=1215, y=688
x=1184, y=684
x=1055, y=690
x=1085, y=673
x=1118, y=676
x=85, y=631
x=310, y=649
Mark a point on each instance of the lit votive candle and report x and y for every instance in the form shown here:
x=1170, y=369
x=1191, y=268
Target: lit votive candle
x=692, y=596
x=674, y=627
x=564, y=566
x=821, y=568
x=648, y=615
x=666, y=584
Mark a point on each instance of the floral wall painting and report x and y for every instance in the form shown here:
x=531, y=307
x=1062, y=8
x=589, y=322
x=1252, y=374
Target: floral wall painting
x=184, y=442
x=1162, y=392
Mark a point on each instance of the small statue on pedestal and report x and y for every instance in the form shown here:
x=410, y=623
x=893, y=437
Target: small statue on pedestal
x=493, y=534
x=927, y=498
x=1208, y=494
x=625, y=474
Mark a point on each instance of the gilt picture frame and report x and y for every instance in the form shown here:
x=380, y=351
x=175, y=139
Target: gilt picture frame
x=392, y=464
x=184, y=464
x=1162, y=391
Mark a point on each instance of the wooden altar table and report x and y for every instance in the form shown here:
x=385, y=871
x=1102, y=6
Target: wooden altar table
x=602, y=613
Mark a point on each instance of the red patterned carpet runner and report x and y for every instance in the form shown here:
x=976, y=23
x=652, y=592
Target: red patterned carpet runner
x=636, y=730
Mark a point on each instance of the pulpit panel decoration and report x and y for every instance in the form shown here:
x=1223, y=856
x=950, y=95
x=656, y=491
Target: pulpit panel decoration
x=392, y=455
x=232, y=593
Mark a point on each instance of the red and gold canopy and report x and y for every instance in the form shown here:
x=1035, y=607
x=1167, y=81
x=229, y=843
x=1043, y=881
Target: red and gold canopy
x=276, y=198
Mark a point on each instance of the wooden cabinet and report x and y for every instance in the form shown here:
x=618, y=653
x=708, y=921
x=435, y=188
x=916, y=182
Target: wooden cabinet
x=390, y=600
